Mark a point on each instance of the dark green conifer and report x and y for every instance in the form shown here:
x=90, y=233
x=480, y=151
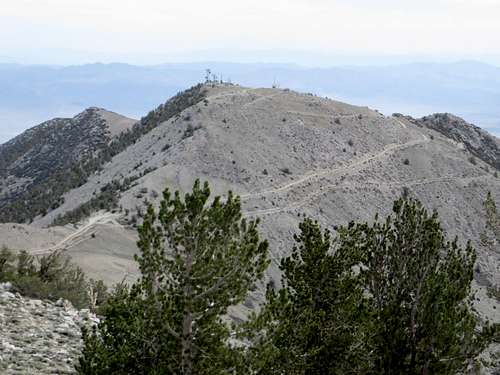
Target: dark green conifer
x=391, y=297
x=419, y=285
x=316, y=323
x=197, y=258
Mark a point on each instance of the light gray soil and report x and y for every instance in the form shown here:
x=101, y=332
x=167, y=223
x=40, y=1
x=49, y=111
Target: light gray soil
x=287, y=154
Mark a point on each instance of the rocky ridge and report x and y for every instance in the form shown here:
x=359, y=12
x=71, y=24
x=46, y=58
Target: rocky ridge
x=477, y=141
x=40, y=164
x=59, y=143
x=39, y=337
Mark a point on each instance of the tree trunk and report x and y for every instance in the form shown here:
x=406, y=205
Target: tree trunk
x=187, y=323
x=187, y=344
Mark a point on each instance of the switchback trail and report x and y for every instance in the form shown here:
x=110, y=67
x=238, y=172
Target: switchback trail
x=103, y=218
x=324, y=189
x=332, y=172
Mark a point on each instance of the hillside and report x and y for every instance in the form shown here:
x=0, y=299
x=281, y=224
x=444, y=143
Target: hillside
x=286, y=154
x=59, y=143
x=46, y=156
x=477, y=141
x=45, y=162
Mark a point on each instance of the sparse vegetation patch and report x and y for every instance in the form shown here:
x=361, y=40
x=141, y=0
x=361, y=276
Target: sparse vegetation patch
x=50, y=276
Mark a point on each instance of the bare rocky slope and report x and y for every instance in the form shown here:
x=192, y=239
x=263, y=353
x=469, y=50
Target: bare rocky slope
x=39, y=337
x=38, y=167
x=40, y=164
x=286, y=154
x=477, y=141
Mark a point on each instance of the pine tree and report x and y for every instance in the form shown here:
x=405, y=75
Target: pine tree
x=316, y=323
x=25, y=264
x=388, y=297
x=196, y=259
x=6, y=263
x=419, y=286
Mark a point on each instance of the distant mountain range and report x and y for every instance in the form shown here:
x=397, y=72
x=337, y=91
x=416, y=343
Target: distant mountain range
x=31, y=94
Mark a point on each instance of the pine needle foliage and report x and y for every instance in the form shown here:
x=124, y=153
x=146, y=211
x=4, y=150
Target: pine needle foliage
x=419, y=285
x=382, y=297
x=313, y=325
x=197, y=258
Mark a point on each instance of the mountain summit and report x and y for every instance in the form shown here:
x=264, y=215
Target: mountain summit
x=285, y=153
x=43, y=156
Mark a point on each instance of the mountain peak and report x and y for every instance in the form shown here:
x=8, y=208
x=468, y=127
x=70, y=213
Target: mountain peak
x=53, y=148
x=93, y=109
x=477, y=141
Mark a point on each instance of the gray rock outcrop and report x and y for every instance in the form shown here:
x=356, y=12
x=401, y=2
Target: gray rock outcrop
x=39, y=337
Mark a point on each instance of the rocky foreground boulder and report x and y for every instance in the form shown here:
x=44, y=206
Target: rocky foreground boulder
x=39, y=337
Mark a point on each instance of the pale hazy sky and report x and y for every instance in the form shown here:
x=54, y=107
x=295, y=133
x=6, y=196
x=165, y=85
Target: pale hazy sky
x=155, y=31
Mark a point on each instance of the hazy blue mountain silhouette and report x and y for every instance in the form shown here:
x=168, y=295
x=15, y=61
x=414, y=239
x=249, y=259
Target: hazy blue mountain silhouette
x=31, y=94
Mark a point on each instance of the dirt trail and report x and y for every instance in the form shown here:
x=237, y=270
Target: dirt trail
x=324, y=189
x=76, y=237
x=400, y=122
x=260, y=99
x=328, y=116
x=332, y=172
